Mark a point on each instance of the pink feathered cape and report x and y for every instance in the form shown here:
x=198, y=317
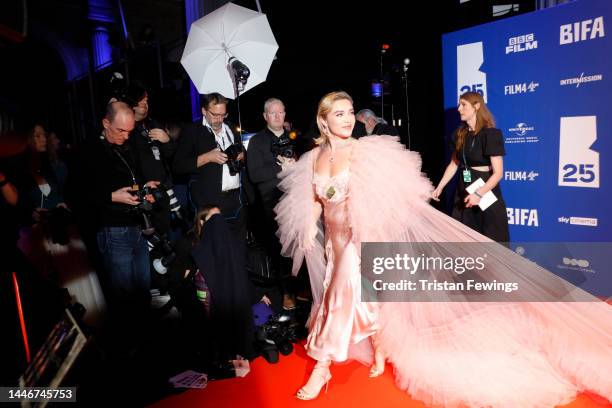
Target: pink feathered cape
x=458, y=353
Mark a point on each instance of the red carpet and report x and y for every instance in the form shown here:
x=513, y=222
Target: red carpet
x=273, y=386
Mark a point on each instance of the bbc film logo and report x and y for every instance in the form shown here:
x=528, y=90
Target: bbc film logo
x=449, y=272
x=521, y=43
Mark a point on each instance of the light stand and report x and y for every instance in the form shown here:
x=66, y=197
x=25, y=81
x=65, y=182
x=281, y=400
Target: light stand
x=405, y=81
x=383, y=50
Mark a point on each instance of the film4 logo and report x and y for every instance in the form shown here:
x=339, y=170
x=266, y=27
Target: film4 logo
x=578, y=163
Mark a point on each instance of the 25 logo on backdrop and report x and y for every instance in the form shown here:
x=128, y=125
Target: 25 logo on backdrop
x=578, y=163
x=470, y=78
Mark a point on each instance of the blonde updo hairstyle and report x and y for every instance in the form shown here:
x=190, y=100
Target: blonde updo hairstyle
x=325, y=106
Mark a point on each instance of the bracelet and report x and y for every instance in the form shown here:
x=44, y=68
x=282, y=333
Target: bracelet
x=476, y=192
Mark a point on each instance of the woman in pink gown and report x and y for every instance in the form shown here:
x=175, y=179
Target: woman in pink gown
x=504, y=354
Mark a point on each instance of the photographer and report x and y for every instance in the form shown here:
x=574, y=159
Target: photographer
x=268, y=149
x=114, y=191
x=213, y=156
x=155, y=151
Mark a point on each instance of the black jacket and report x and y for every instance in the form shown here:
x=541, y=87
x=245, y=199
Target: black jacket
x=152, y=168
x=205, y=181
x=104, y=171
x=262, y=166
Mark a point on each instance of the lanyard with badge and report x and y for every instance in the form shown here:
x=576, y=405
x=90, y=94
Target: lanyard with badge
x=467, y=174
x=135, y=184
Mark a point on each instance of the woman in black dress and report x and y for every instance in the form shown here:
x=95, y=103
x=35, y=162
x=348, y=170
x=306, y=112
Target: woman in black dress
x=478, y=148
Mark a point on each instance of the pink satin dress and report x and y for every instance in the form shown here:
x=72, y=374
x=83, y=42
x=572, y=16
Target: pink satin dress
x=342, y=319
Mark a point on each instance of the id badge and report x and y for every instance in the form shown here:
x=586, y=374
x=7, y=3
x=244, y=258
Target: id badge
x=467, y=176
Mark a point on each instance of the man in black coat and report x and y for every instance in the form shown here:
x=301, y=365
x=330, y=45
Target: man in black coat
x=263, y=166
x=375, y=125
x=201, y=155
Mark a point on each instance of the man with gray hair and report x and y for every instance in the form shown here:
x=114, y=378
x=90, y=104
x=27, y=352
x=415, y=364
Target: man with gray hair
x=263, y=165
x=375, y=125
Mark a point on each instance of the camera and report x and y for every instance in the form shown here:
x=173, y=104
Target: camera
x=144, y=207
x=163, y=247
x=235, y=165
x=281, y=330
x=283, y=146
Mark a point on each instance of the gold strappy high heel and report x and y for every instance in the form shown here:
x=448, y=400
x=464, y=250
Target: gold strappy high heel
x=378, y=368
x=319, y=377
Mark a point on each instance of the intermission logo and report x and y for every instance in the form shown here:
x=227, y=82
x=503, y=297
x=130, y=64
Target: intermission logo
x=582, y=31
x=582, y=79
x=470, y=78
x=521, y=43
x=521, y=134
x=520, y=175
x=521, y=88
x=523, y=216
x=583, y=221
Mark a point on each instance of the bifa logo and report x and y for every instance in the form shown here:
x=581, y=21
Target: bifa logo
x=581, y=79
x=521, y=88
x=470, y=78
x=582, y=31
x=523, y=216
x=520, y=175
x=578, y=162
x=583, y=221
x=521, y=43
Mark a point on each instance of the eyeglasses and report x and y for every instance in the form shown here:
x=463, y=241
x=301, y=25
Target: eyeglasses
x=217, y=115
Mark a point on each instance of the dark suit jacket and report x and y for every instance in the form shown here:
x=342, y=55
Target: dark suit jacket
x=262, y=165
x=205, y=181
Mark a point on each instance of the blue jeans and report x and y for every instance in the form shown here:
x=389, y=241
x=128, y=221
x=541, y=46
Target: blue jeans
x=126, y=260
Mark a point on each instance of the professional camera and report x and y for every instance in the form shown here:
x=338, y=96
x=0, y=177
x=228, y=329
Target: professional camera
x=57, y=221
x=284, y=146
x=232, y=152
x=144, y=207
x=281, y=330
x=164, y=249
